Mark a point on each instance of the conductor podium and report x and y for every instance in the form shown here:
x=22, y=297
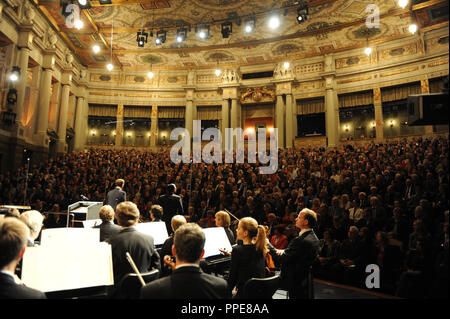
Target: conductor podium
x=83, y=211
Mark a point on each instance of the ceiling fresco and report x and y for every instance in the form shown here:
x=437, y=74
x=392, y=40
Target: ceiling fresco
x=332, y=25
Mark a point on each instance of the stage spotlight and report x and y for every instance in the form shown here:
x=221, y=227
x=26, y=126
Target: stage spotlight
x=227, y=28
x=181, y=35
x=84, y=4
x=141, y=38
x=249, y=25
x=202, y=31
x=160, y=37
x=302, y=13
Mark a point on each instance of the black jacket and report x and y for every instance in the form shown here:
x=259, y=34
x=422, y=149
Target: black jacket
x=172, y=205
x=141, y=248
x=9, y=289
x=297, y=259
x=187, y=282
x=115, y=197
x=107, y=230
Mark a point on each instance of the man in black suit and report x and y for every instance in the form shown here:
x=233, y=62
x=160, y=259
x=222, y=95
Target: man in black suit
x=13, y=242
x=187, y=279
x=140, y=246
x=107, y=227
x=116, y=195
x=297, y=259
x=171, y=204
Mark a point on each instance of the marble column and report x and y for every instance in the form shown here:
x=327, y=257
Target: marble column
x=119, y=126
x=78, y=127
x=378, y=106
x=62, y=123
x=279, y=120
x=235, y=113
x=225, y=117
x=154, y=126
x=331, y=112
x=21, y=85
x=425, y=89
x=289, y=122
x=44, y=107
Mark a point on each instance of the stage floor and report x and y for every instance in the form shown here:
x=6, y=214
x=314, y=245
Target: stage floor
x=329, y=290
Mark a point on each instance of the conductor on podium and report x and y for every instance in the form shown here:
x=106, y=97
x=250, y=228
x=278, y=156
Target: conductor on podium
x=116, y=195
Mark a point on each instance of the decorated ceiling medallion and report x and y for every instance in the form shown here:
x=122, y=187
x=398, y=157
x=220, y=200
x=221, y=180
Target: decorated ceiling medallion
x=219, y=56
x=365, y=32
x=150, y=58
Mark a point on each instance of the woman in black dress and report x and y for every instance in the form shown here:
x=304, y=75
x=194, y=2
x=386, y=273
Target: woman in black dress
x=248, y=259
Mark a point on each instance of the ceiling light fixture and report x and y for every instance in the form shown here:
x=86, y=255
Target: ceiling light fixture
x=227, y=29
x=274, y=22
x=141, y=38
x=412, y=28
x=14, y=76
x=79, y=24
x=249, y=25
x=403, y=3
x=96, y=48
x=110, y=67
x=84, y=4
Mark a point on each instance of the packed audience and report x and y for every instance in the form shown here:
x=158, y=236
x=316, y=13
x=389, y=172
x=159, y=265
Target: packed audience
x=384, y=204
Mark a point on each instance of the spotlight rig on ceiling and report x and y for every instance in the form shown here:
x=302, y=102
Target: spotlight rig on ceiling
x=160, y=37
x=227, y=29
x=141, y=38
x=302, y=13
x=181, y=35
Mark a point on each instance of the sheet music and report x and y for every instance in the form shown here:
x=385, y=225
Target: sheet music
x=91, y=223
x=216, y=239
x=157, y=230
x=81, y=237
x=56, y=268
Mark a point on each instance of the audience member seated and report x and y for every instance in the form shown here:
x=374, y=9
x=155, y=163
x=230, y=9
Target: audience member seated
x=107, y=227
x=223, y=219
x=187, y=279
x=328, y=255
x=279, y=240
x=14, y=235
x=380, y=170
x=140, y=246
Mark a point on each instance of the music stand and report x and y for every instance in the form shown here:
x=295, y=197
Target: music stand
x=83, y=210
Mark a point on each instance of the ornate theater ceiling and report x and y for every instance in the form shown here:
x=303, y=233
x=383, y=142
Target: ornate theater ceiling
x=332, y=26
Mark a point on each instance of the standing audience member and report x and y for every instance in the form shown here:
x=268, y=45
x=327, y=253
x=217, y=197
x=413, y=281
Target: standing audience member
x=14, y=235
x=187, y=279
x=171, y=204
x=116, y=195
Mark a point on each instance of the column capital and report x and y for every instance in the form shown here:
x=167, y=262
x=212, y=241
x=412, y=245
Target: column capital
x=66, y=76
x=25, y=36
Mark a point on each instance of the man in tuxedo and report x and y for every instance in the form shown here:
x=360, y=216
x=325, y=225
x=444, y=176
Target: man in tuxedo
x=297, y=259
x=187, y=279
x=171, y=204
x=140, y=246
x=107, y=227
x=116, y=195
x=14, y=235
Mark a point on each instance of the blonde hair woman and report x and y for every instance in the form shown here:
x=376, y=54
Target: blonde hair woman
x=248, y=259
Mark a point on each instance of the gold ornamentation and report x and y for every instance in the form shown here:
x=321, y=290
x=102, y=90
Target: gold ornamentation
x=255, y=95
